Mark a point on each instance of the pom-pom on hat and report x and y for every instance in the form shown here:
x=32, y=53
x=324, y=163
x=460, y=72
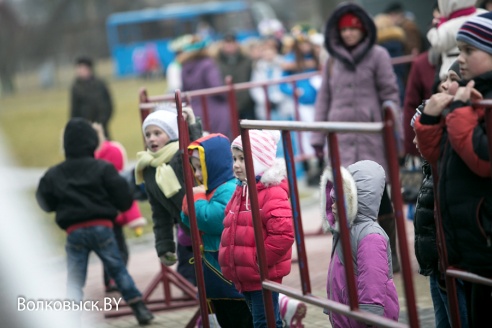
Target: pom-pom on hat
x=477, y=32
x=263, y=148
x=166, y=119
x=350, y=20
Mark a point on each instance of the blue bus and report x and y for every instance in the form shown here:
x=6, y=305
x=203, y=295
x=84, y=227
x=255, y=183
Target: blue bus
x=134, y=31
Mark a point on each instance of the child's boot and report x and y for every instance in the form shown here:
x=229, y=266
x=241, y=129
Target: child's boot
x=141, y=312
x=292, y=311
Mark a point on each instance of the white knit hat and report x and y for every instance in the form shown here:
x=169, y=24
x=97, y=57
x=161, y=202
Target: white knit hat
x=263, y=146
x=164, y=118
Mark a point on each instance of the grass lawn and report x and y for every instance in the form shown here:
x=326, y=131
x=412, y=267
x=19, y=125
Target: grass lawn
x=32, y=121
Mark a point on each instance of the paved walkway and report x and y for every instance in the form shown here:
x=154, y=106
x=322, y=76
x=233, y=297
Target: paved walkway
x=32, y=271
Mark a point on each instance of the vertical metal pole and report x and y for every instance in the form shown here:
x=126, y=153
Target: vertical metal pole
x=143, y=98
x=195, y=234
x=342, y=217
x=296, y=212
x=394, y=175
x=268, y=108
x=258, y=226
x=233, y=107
x=206, y=119
x=488, y=127
x=297, y=116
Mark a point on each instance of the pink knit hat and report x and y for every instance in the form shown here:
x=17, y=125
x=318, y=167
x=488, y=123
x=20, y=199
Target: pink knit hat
x=263, y=146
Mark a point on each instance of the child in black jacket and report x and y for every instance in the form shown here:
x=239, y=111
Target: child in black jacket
x=86, y=195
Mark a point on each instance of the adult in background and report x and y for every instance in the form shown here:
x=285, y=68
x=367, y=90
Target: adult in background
x=357, y=79
x=414, y=38
x=89, y=96
x=232, y=61
x=200, y=71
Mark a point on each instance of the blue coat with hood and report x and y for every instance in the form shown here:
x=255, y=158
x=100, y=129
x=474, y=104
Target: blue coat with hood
x=215, y=156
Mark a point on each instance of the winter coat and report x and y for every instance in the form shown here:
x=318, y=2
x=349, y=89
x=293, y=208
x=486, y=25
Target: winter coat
x=239, y=67
x=237, y=253
x=202, y=73
x=216, y=163
x=82, y=188
x=456, y=144
x=425, y=225
x=166, y=211
x=419, y=88
x=443, y=37
x=364, y=183
x=308, y=91
x=266, y=71
x=90, y=99
x=354, y=87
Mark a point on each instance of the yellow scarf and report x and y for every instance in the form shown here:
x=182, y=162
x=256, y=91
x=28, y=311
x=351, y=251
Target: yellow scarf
x=164, y=175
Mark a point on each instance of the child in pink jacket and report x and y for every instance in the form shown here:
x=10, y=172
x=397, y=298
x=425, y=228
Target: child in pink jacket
x=363, y=185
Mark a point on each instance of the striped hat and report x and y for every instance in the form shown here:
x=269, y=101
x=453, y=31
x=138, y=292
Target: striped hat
x=477, y=32
x=415, y=116
x=263, y=146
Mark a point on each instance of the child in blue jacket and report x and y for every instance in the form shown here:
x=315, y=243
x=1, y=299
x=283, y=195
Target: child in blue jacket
x=211, y=159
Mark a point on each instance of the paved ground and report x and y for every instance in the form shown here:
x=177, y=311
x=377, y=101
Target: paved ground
x=32, y=271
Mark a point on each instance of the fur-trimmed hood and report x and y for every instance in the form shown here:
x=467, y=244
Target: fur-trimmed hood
x=333, y=41
x=363, y=186
x=275, y=174
x=387, y=30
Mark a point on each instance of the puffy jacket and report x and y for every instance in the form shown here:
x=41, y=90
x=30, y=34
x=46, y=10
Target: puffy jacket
x=364, y=183
x=82, y=188
x=425, y=226
x=237, y=253
x=457, y=145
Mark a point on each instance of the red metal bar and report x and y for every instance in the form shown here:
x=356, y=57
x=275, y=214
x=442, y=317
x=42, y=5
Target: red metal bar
x=197, y=246
x=468, y=276
x=206, y=119
x=343, y=223
x=258, y=226
x=296, y=212
x=295, y=96
x=359, y=315
x=394, y=175
x=233, y=109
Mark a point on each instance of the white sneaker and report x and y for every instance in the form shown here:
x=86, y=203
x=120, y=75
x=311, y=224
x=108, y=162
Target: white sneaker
x=292, y=311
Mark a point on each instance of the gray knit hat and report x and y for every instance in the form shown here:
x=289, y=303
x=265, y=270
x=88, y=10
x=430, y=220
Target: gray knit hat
x=164, y=118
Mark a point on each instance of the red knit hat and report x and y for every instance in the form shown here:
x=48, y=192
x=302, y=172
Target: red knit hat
x=350, y=20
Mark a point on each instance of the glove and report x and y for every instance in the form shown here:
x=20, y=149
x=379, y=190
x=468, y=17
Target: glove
x=189, y=115
x=168, y=259
x=318, y=151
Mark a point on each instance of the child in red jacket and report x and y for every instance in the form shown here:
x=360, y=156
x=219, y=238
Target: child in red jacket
x=237, y=253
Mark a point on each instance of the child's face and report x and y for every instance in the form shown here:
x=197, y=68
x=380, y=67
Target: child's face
x=238, y=167
x=195, y=162
x=473, y=61
x=155, y=138
x=448, y=86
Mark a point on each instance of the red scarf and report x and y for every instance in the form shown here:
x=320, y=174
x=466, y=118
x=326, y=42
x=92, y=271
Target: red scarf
x=458, y=13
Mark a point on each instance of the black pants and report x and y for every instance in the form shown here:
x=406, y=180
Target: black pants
x=187, y=270
x=232, y=313
x=478, y=304
x=122, y=247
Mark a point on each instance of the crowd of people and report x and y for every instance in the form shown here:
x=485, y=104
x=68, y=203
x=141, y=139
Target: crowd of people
x=452, y=67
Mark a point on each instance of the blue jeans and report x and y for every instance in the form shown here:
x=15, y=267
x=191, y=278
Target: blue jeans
x=440, y=301
x=256, y=306
x=101, y=240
